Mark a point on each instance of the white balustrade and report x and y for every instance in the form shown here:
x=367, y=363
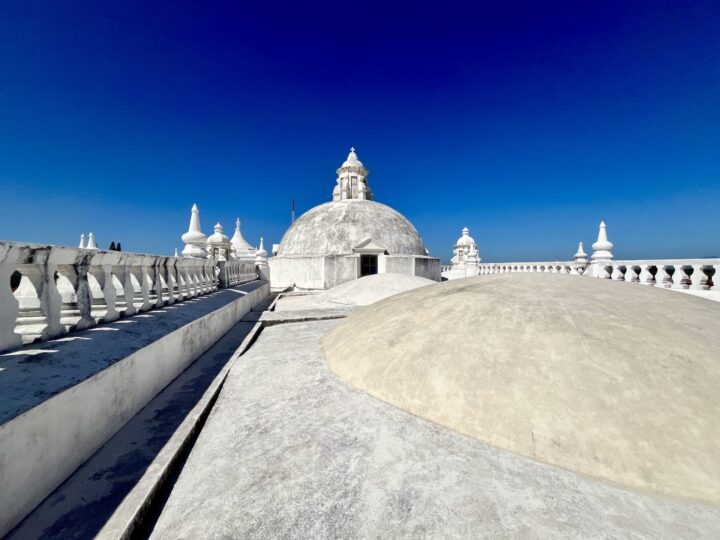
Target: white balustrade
x=47, y=291
x=693, y=274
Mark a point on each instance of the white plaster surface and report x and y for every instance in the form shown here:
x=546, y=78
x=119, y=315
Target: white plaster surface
x=358, y=292
x=291, y=451
x=335, y=228
x=60, y=401
x=605, y=378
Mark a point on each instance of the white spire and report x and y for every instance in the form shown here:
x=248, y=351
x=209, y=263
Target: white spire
x=82, y=241
x=580, y=256
x=602, y=247
x=261, y=250
x=580, y=251
x=194, y=238
x=176, y=253
x=239, y=244
x=91, y=242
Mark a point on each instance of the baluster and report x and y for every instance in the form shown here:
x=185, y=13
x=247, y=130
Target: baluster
x=104, y=306
x=716, y=278
x=680, y=278
x=157, y=283
x=188, y=278
x=142, y=295
x=210, y=270
x=631, y=274
x=173, y=283
x=126, y=306
x=617, y=273
x=698, y=279
x=77, y=312
x=662, y=277
x=9, y=305
x=646, y=277
x=197, y=279
x=41, y=278
x=148, y=269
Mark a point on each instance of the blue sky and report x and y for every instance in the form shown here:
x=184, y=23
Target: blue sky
x=527, y=122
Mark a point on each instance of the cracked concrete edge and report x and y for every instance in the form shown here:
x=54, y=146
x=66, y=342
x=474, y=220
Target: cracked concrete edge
x=133, y=511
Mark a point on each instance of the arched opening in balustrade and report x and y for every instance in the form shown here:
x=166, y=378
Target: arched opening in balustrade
x=120, y=302
x=137, y=299
x=31, y=320
x=98, y=307
x=164, y=289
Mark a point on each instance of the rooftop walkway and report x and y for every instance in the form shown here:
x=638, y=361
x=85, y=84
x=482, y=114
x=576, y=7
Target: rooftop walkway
x=291, y=451
x=111, y=488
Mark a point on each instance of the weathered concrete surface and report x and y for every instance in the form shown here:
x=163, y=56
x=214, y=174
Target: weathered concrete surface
x=605, y=378
x=358, y=292
x=335, y=228
x=290, y=451
x=60, y=405
x=119, y=478
x=270, y=318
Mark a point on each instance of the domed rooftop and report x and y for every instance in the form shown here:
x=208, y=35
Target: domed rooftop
x=218, y=237
x=352, y=160
x=596, y=376
x=335, y=228
x=465, y=239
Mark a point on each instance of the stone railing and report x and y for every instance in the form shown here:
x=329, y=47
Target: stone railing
x=681, y=274
x=48, y=291
x=553, y=267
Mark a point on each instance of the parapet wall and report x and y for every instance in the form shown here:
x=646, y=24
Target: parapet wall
x=65, y=398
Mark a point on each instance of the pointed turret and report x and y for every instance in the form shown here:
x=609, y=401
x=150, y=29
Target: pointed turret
x=602, y=247
x=194, y=238
x=261, y=263
x=91, y=242
x=580, y=256
x=82, y=241
x=241, y=247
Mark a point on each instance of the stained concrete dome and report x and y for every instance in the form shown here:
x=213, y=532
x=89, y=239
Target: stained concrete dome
x=335, y=228
x=604, y=378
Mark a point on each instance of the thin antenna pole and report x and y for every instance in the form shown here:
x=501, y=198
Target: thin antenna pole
x=292, y=214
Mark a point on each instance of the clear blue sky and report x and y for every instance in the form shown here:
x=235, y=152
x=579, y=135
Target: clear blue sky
x=527, y=122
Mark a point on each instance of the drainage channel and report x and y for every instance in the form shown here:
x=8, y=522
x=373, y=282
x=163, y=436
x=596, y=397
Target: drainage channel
x=145, y=520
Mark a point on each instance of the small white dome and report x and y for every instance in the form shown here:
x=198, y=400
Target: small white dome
x=465, y=239
x=218, y=237
x=352, y=160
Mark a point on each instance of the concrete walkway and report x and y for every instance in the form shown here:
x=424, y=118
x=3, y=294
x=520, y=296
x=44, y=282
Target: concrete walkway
x=290, y=451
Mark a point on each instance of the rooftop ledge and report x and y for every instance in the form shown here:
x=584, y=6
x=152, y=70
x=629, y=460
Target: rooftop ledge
x=37, y=372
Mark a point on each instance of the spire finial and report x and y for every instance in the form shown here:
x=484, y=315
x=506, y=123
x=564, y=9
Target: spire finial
x=352, y=149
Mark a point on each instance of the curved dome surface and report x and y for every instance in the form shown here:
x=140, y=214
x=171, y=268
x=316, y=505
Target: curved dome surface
x=334, y=228
x=600, y=377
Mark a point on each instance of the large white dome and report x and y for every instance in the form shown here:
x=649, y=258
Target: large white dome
x=334, y=228
x=600, y=377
